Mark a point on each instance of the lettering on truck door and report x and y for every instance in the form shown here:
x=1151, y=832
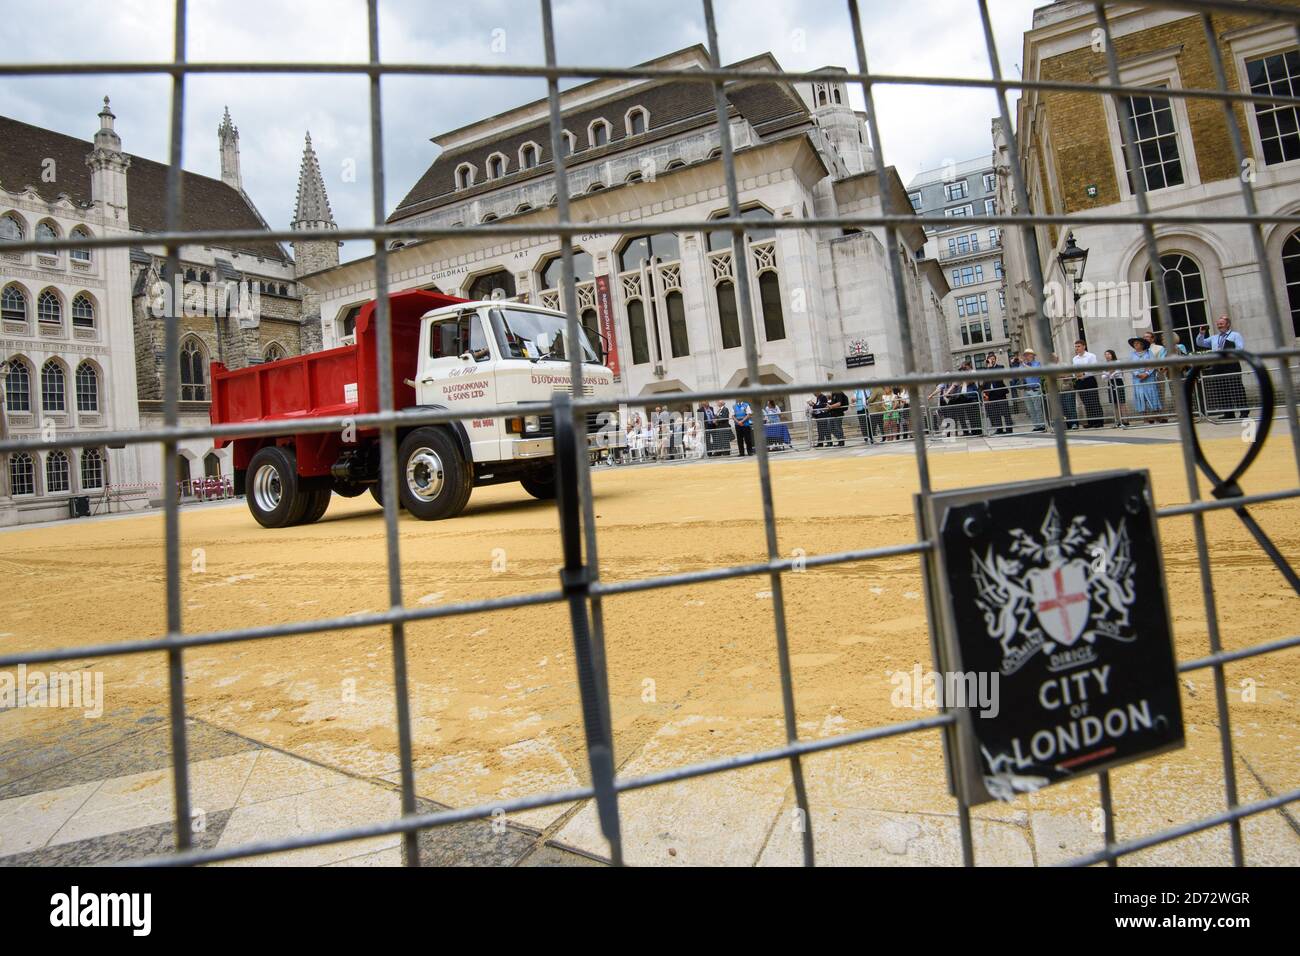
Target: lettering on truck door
x=460, y=372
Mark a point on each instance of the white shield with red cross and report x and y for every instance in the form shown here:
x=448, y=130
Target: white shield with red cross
x=1061, y=599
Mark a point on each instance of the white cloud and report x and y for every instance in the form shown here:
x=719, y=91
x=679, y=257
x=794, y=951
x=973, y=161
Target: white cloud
x=920, y=127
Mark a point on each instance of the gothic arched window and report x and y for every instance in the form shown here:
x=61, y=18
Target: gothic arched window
x=56, y=471
x=48, y=308
x=83, y=312
x=1291, y=274
x=22, y=476
x=18, y=386
x=53, y=398
x=13, y=304
x=194, y=386
x=80, y=255
x=87, y=388
x=11, y=229
x=92, y=469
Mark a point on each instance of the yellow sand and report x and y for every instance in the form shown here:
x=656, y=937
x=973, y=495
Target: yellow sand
x=493, y=696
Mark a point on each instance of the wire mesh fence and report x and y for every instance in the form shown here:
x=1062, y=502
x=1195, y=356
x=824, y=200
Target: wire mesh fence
x=917, y=405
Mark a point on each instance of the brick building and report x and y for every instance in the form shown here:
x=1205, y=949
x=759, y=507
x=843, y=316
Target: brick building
x=1072, y=155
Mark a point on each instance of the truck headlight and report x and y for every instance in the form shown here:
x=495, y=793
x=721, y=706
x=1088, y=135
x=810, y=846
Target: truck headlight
x=532, y=423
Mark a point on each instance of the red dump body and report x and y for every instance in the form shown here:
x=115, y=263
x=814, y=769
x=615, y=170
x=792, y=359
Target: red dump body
x=340, y=381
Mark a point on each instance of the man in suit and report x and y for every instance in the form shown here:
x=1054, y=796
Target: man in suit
x=723, y=418
x=995, y=399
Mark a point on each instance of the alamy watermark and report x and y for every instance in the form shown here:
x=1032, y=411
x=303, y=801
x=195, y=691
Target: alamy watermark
x=194, y=299
x=929, y=690
x=1099, y=300
x=76, y=690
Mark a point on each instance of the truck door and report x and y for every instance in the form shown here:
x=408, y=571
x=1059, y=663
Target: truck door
x=458, y=371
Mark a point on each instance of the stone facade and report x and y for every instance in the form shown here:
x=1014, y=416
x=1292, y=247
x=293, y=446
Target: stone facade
x=818, y=295
x=237, y=305
x=1072, y=156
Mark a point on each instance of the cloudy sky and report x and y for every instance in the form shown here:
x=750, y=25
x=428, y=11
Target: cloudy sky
x=920, y=128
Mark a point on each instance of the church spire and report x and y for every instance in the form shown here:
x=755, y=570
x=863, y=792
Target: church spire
x=228, y=139
x=312, y=212
x=313, y=208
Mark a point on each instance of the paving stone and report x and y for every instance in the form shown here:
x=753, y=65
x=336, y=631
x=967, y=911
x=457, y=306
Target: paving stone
x=552, y=855
x=143, y=799
x=85, y=752
x=156, y=840
x=850, y=836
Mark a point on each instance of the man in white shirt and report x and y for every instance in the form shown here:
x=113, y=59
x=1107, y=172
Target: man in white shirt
x=1224, y=390
x=1085, y=384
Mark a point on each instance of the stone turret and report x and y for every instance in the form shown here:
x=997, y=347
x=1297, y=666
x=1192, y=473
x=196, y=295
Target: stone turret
x=845, y=128
x=108, y=166
x=228, y=139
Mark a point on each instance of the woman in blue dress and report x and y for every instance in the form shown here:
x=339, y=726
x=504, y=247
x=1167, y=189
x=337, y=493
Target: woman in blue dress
x=1146, y=381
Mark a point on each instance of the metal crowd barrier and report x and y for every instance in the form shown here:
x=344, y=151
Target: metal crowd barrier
x=582, y=587
x=632, y=436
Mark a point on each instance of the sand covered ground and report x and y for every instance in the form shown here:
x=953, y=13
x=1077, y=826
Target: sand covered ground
x=692, y=670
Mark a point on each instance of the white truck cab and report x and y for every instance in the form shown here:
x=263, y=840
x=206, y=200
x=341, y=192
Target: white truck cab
x=504, y=354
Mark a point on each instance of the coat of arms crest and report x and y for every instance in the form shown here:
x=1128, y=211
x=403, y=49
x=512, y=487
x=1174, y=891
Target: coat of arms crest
x=1061, y=588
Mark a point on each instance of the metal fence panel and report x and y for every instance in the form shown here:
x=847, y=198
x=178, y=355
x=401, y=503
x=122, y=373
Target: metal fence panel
x=920, y=408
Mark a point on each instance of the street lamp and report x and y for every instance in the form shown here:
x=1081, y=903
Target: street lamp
x=1073, y=261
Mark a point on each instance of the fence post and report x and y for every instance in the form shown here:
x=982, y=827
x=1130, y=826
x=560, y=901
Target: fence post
x=576, y=581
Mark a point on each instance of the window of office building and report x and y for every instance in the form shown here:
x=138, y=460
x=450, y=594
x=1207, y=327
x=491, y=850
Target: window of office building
x=1278, y=124
x=1150, y=121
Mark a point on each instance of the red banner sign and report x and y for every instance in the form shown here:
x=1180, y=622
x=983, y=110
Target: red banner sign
x=605, y=314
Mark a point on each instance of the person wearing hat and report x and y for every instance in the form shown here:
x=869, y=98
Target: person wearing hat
x=1146, y=384
x=1034, y=391
x=1159, y=351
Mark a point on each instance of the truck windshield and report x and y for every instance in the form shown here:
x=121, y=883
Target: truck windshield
x=536, y=335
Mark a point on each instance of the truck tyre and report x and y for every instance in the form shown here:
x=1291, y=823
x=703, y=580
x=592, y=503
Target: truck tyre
x=377, y=492
x=317, y=501
x=540, y=483
x=433, y=479
x=272, y=493
x=347, y=489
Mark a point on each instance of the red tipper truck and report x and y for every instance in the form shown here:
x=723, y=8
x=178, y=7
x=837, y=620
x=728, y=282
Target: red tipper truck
x=447, y=352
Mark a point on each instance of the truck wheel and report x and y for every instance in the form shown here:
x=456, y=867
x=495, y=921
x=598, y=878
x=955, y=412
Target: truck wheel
x=347, y=489
x=433, y=479
x=317, y=502
x=377, y=492
x=273, y=494
x=540, y=484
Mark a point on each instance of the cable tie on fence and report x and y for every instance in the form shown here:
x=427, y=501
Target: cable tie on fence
x=575, y=581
